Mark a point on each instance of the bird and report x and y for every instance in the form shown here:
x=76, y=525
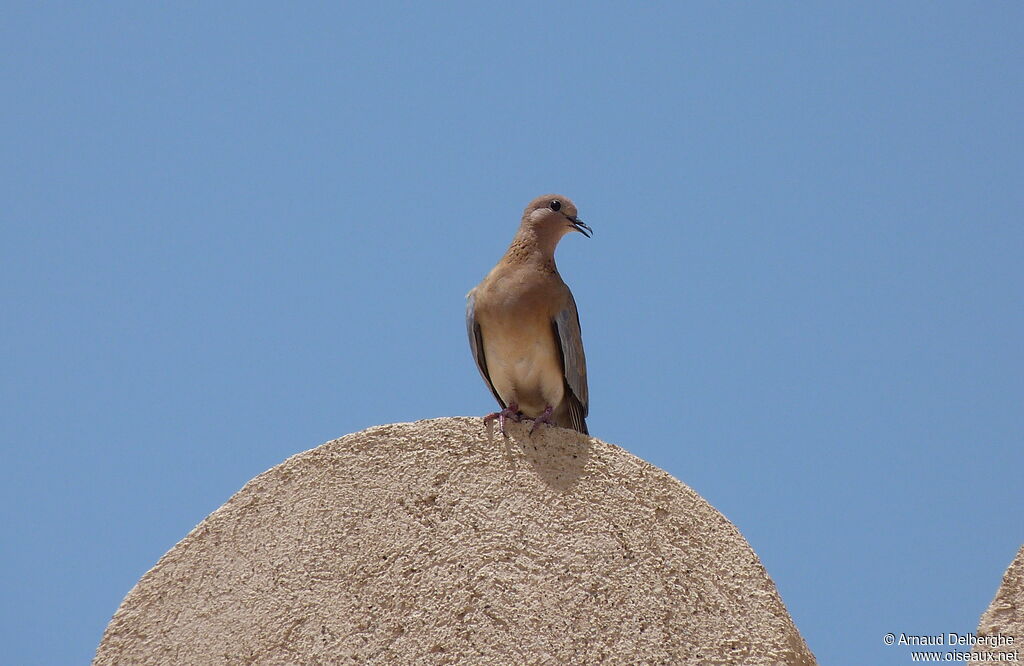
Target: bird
x=523, y=326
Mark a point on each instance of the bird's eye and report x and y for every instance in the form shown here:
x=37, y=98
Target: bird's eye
x=556, y=205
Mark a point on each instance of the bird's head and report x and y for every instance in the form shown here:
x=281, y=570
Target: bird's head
x=554, y=215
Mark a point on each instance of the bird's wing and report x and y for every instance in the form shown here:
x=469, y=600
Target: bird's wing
x=476, y=344
x=574, y=363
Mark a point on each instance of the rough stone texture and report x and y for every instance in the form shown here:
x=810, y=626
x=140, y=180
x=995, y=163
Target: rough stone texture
x=1005, y=615
x=441, y=542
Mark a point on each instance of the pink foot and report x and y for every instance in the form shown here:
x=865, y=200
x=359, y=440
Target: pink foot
x=510, y=412
x=543, y=418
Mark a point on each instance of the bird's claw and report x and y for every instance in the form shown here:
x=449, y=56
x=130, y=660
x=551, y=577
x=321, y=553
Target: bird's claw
x=543, y=418
x=510, y=412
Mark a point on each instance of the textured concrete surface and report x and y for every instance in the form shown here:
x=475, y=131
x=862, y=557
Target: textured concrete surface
x=440, y=542
x=1005, y=615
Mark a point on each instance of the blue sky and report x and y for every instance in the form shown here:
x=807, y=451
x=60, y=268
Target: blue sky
x=233, y=231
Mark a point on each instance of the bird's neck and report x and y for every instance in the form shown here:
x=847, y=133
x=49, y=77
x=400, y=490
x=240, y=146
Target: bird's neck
x=531, y=246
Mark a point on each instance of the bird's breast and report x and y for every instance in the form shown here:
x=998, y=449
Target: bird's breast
x=523, y=359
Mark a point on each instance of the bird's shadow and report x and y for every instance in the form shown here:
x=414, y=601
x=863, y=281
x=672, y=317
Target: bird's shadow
x=557, y=455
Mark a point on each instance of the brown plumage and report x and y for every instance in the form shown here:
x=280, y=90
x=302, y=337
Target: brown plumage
x=523, y=327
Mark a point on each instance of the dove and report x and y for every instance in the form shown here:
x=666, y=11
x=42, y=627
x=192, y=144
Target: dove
x=523, y=326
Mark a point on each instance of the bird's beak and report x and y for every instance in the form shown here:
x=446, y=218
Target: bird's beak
x=580, y=226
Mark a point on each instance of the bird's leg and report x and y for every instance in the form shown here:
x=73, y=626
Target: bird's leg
x=510, y=412
x=543, y=418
